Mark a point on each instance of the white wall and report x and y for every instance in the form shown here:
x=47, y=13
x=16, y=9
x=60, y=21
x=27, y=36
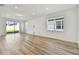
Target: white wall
x=2, y=27
x=78, y=24
x=22, y=27
x=70, y=26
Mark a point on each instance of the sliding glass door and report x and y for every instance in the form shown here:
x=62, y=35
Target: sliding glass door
x=12, y=27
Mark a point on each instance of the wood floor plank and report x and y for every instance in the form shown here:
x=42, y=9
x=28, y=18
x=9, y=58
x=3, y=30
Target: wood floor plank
x=22, y=44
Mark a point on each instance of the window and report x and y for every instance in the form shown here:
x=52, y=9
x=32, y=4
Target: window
x=59, y=26
x=51, y=24
x=56, y=24
x=12, y=27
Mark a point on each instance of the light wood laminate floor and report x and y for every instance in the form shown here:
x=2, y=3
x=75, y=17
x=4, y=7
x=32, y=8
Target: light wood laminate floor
x=16, y=44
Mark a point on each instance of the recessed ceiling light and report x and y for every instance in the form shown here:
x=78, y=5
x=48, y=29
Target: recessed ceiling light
x=16, y=7
x=19, y=14
x=47, y=8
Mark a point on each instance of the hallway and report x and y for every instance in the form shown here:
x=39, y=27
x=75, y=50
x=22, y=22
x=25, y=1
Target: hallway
x=23, y=44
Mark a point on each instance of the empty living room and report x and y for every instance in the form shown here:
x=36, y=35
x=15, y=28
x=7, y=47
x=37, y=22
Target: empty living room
x=39, y=29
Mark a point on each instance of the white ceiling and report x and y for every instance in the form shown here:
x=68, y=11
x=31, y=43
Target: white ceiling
x=29, y=11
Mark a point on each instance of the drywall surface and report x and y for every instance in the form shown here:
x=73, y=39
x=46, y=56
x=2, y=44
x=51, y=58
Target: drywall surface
x=2, y=27
x=78, y=24
x=38, y=26
x=22, y=27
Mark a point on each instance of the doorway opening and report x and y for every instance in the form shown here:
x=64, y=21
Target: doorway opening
x=12, y=27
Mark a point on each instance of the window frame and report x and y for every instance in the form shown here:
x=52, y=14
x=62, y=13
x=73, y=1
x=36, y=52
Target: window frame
x=62, y=29
x=55, y=20
x=52, y=20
